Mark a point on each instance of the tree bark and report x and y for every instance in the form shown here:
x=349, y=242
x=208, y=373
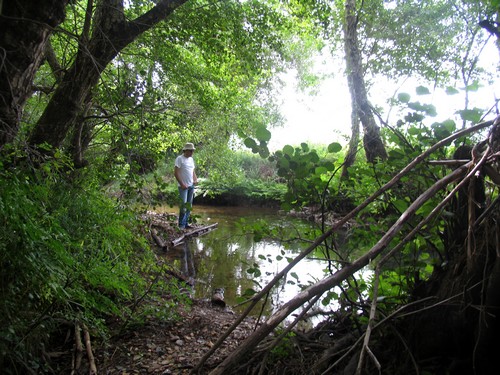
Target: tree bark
x=354, y=141
x=112, y=33
x=25, y=27
x=372, y=142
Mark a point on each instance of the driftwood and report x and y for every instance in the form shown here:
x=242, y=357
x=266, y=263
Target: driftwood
x=193, y=233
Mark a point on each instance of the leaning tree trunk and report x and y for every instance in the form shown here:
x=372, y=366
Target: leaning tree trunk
x=25, y=27
x=348, y=269
x=372, y=142
x=112, y=33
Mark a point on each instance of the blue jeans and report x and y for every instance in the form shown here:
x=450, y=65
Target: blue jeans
x=186, y=204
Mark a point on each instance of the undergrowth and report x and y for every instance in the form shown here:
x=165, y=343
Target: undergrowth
x=67, y=253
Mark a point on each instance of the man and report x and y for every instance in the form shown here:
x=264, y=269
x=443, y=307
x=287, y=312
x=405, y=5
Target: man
x=186, y=177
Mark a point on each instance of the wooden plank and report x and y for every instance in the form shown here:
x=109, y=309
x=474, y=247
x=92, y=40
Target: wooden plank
x=193, y=233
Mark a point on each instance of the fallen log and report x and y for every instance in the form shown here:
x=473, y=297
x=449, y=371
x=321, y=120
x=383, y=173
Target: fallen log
x=158, y=240
x=193, y=233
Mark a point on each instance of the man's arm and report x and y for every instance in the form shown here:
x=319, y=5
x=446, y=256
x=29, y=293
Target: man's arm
x=178, y=178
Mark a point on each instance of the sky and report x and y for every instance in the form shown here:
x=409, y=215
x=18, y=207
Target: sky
x=318, y=119
x=325, y=117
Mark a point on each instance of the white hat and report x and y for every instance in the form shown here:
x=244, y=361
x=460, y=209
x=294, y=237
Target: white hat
x=188, y=146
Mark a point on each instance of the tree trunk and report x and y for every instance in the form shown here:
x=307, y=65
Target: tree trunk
x=354, y=141
x=373, y=145
x=112, y=33
x=25, y=27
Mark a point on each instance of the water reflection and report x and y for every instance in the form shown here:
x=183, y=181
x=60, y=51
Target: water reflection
x=230, y=259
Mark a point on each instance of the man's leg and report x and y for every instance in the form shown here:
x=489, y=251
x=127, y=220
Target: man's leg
x=189, y=203
x=183, y=194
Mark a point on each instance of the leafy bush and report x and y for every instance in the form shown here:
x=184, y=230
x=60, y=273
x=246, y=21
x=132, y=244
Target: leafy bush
x=67, y=253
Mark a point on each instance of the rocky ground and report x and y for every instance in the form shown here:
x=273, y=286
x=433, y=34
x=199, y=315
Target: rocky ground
x=173, y=348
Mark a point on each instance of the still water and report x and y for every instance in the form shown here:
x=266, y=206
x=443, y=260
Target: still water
x=231, y=258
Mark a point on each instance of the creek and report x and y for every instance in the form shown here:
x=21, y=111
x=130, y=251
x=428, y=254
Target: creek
x=231, y=258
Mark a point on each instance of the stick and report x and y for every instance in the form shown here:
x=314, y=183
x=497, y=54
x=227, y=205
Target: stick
x=90, y=355
x=78, y=354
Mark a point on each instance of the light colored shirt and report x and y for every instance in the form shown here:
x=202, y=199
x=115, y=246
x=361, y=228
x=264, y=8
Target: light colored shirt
x=186, y=169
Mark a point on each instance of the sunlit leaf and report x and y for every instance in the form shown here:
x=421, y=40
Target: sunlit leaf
x=320, y=170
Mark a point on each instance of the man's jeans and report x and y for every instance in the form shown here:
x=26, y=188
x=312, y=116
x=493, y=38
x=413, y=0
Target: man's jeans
x=186, y=204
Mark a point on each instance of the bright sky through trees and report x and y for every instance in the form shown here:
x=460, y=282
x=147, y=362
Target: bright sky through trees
x=325, y=117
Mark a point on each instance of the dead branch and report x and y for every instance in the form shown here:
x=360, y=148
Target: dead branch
x=340, y=275
x=287, y=330
x=449, y=163
x=78, y=352
x=334, y=280
x=90, y=355
x=407, y=238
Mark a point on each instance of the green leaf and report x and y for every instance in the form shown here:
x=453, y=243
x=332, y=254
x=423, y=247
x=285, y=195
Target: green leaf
x=395, y=154
x=288, y=150
x=473, y=115
x=263, y=134
x=417, y=106
x=451, y=91
x=284, y=163
x=443, y=129
x=404, y=97
x=334, y=147
x=401, y=205
x=329, y=166
x=430, y=110
x=422, y=90
x=250, y=143
x=473, y=87
x=320, y=170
